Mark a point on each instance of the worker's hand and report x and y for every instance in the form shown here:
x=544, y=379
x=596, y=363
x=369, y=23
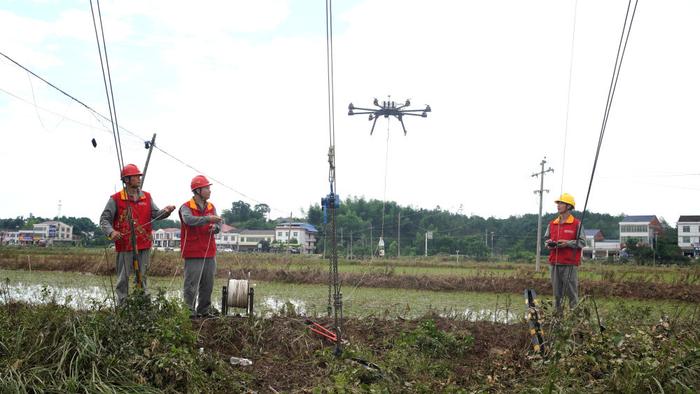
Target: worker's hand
x=550, y=244
x=115, y=235
x=215, y=219
x=562, y=244
x=169, y=208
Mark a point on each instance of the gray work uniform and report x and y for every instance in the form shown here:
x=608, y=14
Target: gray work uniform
x=199, y=272
x=565, y=276
x=125, y=259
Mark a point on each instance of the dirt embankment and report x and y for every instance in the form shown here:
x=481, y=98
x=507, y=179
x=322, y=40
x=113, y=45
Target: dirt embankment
x=288, y=357
x=166, y=266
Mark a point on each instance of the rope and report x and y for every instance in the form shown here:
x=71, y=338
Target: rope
x=386, y=171
x=568, y=96
x=624, y=36
x=106, y=76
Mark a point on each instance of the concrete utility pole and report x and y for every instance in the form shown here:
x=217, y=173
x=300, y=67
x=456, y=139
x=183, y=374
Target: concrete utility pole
x=493, y=249
x=539, y=216
x=398, y=242
x=371, y=245
x=428, y=235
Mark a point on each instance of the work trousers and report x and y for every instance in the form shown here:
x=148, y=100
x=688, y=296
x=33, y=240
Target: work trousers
x=125, y=268
x=199, y=280
x=564, y=283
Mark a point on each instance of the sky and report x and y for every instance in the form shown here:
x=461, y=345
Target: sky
x=237, y=90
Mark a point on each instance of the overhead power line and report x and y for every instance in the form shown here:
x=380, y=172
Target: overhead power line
x=122, y=128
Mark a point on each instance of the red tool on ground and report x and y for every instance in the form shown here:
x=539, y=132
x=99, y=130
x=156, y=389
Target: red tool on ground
x=321, y=330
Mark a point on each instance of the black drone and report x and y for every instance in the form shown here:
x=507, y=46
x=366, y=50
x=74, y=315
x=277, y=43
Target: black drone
x=386, y=109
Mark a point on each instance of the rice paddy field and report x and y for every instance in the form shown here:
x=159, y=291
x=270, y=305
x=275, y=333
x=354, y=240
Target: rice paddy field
x=411, y=325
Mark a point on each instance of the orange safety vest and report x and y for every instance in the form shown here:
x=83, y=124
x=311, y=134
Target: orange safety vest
x=141, y=214
x=566, y=231
x=197, y=241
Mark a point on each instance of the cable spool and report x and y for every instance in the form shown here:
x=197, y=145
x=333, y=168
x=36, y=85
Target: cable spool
x=238, y=293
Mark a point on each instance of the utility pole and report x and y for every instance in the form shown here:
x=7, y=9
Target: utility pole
x=492, y=247
x=289, y=233
x=428, y=235
x=398, y=242
x=539, y=216
x=371, y=245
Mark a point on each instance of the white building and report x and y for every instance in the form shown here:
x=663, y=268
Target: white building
x=166, y=238
x=9, y=237
x=304, y=233
x=644, y=229
x=228, y=238
x=250, y=240
x=689, y=235
x=53, y=232
x=599, y=247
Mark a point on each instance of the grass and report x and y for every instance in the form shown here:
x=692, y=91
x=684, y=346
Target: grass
x=146, y=346
x=150, y=345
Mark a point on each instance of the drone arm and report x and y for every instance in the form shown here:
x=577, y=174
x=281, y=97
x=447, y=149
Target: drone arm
x=363, y=109
x=373, y=124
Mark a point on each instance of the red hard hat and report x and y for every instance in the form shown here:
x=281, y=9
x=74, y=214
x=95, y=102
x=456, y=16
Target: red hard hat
x=130, y=170
x=199, y=181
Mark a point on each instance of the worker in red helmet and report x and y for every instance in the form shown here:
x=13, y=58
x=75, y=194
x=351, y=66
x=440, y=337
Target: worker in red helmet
x=199, y=223
x=115, y=225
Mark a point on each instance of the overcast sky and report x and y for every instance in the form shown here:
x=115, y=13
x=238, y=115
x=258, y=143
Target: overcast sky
x=237, y=89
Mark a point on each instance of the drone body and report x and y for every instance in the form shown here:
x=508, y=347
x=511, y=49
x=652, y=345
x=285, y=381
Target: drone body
x=386, y=109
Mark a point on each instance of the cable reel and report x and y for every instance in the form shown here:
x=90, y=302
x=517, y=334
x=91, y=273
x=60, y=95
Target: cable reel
x=237, y=294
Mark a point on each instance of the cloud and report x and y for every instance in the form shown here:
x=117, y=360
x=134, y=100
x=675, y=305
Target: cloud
x=230, y=95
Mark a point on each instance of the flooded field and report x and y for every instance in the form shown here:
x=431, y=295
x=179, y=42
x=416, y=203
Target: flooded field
x=87, y=291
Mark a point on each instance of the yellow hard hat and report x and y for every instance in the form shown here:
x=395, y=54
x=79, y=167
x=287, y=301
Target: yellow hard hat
x=567, y=198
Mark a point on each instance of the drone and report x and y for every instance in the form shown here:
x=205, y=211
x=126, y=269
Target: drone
x=386, y=109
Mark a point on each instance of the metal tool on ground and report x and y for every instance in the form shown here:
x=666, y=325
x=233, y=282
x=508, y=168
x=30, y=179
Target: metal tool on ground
x=237, y=294
x=321, y=330
x=534, y=321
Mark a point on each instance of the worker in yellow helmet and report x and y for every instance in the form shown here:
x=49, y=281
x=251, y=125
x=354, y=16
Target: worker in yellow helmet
x=565, y=240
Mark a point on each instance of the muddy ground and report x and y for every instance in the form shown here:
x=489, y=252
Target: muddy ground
x=292, y=358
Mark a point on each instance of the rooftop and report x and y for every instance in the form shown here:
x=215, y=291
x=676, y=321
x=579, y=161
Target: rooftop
x=258, y=232
x=225, y=228
x=690, y=218
x=639, y=219
x=306, y=226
